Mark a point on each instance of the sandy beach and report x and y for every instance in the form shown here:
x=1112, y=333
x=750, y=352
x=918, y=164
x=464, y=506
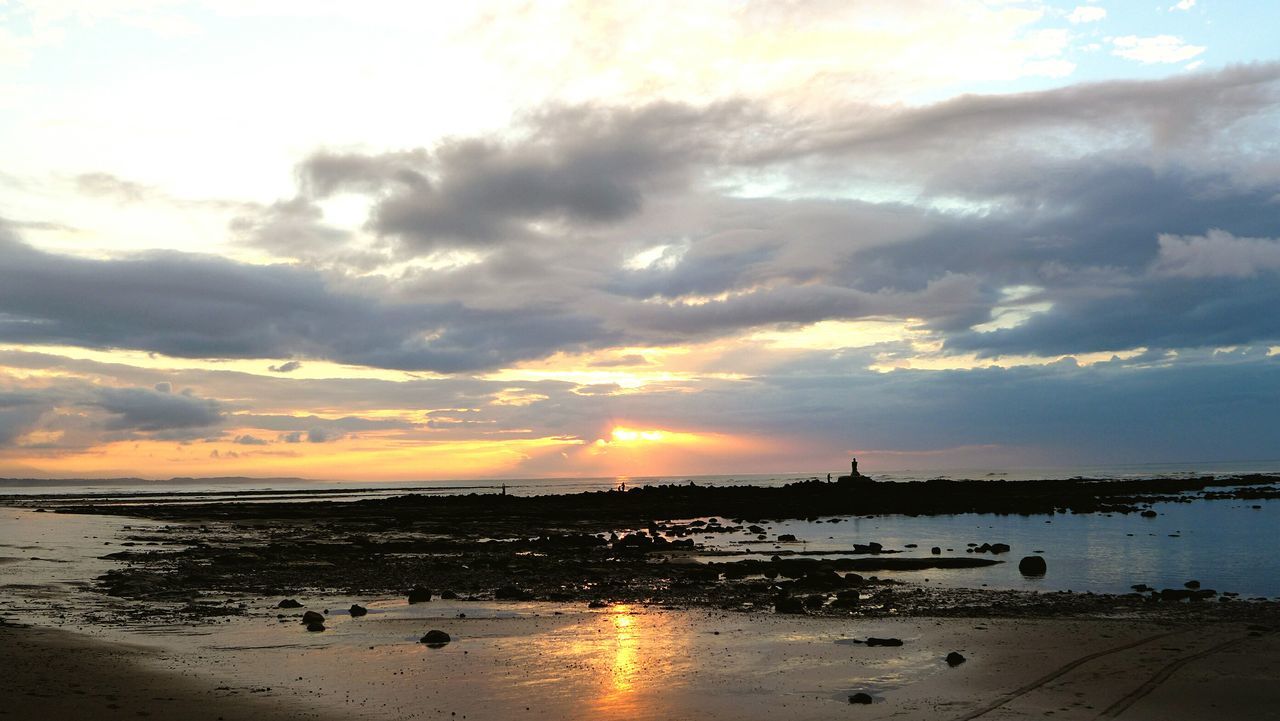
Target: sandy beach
x=625, y=663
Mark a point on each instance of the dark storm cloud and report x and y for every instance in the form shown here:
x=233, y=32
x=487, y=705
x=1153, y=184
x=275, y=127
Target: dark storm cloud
x=286, y=367
x=148, y=410
x=198, y=306
x=576, y=165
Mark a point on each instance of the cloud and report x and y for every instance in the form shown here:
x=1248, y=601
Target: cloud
x=147, y=410
x=1155, y=49
x=576, y=165
x=286, y=367
x=195, y=306
x=1087, y=14
x=249, y=440
x=1182, y=5
x=1217, y=254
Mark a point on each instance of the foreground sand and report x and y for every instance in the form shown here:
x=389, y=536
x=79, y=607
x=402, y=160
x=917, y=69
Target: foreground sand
x=633, y=663
x=53, y=675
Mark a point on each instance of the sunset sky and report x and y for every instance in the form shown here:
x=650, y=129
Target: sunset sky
x=373, y=240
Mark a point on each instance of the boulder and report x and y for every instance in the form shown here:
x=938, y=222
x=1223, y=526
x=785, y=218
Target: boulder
x=512, y=593
x=787, y=538
x=315, y=627
x=289, y=603
x=863, y=698
x=419, y=595
x=1148, y=513
x=873, y=641
x=788, y=604
x=955, y=659
x=312, y=617
x=935, y=551
x=357, y=610
x=1033, y=566
x=435, y=638
x=1192, y=585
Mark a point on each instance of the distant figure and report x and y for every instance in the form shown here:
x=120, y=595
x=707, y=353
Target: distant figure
x=828, y=478
x=504, y=489
x=622, y=487
x=854, y=467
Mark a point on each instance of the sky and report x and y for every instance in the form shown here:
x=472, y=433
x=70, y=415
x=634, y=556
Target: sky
x=402, y=241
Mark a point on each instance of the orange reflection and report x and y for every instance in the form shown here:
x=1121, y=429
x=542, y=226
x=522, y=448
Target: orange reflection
x=625, y=653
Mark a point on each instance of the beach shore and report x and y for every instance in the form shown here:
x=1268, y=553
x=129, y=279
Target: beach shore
x=635, y=663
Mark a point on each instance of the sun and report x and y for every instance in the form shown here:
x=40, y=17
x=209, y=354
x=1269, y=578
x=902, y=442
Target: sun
x=631, y=435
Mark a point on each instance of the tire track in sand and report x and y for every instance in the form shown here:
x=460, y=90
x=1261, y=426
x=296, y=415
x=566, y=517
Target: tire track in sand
x=1163, y=675
x=1060, y=671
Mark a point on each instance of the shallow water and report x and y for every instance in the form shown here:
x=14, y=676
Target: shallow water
x=1224, y=544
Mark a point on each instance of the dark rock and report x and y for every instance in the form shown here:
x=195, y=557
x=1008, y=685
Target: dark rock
x=787, y=538
x=357, y=610
x=1033, y=566
x=436, y=638
x=419, y=595
x=312, y=617
x=1175, y=594
x=597, y=604
x=788, y=604
x=315, y=627
x=512, y=593
x=935, y=551
x=815, y=601
x=847, y=599
x=1141, y=587
x=755, y=529
x=449, y=595
x=863, y=698
x=1192, y=585
x=289, y=603
x=1148, y=514
x=955, y=659
x=873, y=641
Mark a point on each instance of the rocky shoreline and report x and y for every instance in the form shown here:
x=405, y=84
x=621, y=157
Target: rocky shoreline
x=225, y=559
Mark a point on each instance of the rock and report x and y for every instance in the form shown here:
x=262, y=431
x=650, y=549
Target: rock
x=787, y=538
x=847, y=599
x=863, y=698
x=1148, y=513
x=788, y=604
x=436, y=638
x=512, y=593
x=315, y=627
x=1174, y=594
x=449, y=595
x=815, y=601
x=935, y=551
x=873, y=641
x=1141, y=587
x=755, y=529
x=357, y=610
x=312, y=617
x=597, y=604
x=288, y=603
x=1033, y=566
x=1192, y=585
x=1000, y=548
x=955, y=659
x=419, y=595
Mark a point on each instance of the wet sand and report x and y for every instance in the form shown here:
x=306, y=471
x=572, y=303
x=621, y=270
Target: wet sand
x=51, y=674
x=637, y=663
